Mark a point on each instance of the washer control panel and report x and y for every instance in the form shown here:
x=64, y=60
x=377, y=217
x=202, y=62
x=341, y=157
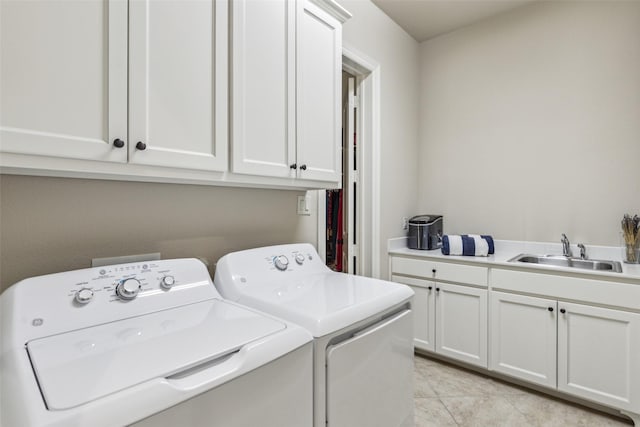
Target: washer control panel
x=238, y=271
x=126, y=282
x=123, y=282
x=81, y=298
x=287, y=259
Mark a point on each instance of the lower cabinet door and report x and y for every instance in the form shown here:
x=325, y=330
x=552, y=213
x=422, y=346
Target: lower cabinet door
x=424, y=311
x=598, y=352
x=461, y=323
x=523, y=337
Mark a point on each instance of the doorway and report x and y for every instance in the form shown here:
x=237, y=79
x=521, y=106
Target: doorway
x=342, y=252
x=367, y=129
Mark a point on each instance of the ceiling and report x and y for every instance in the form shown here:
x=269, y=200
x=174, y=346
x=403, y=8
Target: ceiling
x=425, y=19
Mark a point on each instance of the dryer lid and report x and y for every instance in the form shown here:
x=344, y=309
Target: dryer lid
x=326, y=302
x=77, y=367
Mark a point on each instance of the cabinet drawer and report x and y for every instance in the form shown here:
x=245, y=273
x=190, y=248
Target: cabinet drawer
x=446, y=271
x=623, y=295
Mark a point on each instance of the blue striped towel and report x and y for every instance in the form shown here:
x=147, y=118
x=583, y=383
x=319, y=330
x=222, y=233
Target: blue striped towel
x=467, y=245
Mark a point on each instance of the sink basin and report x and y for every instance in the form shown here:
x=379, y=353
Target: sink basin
x=561, y=261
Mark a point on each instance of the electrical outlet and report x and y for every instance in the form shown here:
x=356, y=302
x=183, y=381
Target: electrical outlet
x=405, y=223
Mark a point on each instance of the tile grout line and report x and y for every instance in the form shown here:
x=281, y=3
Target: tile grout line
x=448, y=411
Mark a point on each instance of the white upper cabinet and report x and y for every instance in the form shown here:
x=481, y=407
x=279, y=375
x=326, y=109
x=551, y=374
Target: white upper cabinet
x=232, y=92
x=286, y=74
x=63, y=78
x=140, y=81
x=263, y=87
x=319, y=66
x=177, y=83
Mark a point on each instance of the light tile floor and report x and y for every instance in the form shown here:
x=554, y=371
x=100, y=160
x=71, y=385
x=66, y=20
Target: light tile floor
x=447, y=395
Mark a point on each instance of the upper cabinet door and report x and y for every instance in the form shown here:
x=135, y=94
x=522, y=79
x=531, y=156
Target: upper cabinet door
x=319, y=65
x=63, y=78
x=263, y=87
x=178, y=83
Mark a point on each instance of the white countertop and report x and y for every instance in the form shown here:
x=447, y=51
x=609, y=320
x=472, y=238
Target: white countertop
x=507, y=249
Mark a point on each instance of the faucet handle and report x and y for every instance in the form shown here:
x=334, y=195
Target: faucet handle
x=583, y=251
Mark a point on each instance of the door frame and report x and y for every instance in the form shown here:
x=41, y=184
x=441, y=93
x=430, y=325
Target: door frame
x=367, y=74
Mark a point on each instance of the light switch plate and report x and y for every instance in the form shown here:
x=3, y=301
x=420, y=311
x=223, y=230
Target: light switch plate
x=303, y=205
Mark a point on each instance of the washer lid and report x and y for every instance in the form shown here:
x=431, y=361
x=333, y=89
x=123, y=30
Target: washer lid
x=80, y=366
x=326, y=302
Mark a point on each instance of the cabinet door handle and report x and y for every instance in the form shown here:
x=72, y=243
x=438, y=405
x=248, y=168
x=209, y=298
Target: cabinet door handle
x=430, y=287
x=437, y=289
x=550, y=308
x=303, y=167
x=293, y=166
x=141, y=146
x=563, y=311
x=118, y=143
x=433, y=271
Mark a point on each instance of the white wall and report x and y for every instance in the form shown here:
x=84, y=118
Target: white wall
x=372, y=33
x=530, y=123
x=54, y=224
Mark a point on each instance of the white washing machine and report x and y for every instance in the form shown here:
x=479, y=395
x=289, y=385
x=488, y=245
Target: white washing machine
x=148, y=344
x=362, y=328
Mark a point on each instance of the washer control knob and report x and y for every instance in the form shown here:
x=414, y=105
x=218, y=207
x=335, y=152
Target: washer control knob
x=167, y=282
x=84, y=296
x=128, y=289
x=299, y=259
x=281, y=262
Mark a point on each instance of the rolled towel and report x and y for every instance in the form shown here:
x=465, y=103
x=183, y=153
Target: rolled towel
x=467, y=245
x=489, y=240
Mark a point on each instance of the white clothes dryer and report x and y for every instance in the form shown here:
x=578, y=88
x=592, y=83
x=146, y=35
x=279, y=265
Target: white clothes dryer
x=147, y=344
x=362, y=328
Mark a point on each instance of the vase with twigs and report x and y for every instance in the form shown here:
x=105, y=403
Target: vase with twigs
x=631, y=236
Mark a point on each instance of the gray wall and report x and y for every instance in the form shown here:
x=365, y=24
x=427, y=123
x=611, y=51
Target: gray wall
x=55, y=224
x=530, y=123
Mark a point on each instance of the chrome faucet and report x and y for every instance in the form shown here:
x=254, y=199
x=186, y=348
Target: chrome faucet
x=583, y=251
x=566, y=246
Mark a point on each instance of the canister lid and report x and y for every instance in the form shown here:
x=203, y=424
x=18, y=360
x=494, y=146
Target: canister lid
x=424, y=219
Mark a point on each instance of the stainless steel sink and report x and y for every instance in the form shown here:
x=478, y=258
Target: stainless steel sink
x=562, y=261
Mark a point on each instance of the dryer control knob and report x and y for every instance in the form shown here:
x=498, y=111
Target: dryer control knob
x=84, y=296
x=167, y=282
x=128, y=289
x=299, y=259
x=281, y=262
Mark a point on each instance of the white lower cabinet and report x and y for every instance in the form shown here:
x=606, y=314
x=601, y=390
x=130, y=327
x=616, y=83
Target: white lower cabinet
x=461, y=323
x=424, y=311
x=589, y=352
x=589, y=348
x=598, y=354
x=450, y=320
x=523, y=337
